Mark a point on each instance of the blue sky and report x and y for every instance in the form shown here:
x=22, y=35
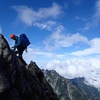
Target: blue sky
x=64, y=34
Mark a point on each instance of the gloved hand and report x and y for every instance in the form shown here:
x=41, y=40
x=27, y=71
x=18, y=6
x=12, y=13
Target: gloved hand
x=12, y=47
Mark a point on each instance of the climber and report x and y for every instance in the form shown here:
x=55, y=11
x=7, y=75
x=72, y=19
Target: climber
x=21, y=43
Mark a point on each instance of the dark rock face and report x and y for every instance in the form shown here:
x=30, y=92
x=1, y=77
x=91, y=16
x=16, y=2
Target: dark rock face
x=90, y=90
x=19, y=83
x=64, y=88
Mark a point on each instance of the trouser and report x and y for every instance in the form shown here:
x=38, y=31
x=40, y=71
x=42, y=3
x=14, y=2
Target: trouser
x=20, y=52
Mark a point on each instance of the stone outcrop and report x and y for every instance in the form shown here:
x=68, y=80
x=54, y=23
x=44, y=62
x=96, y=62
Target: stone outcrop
x=19, y=83
x=65, y=88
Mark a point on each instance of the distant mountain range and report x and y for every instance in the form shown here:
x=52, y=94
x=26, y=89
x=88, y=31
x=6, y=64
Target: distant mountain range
x=90, y=90
x=71, y=89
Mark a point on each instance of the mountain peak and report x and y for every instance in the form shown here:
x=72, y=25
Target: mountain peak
x=65, y=88
x=19, y=83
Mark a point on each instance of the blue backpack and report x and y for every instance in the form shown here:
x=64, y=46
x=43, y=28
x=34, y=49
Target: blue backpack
x=24, y=40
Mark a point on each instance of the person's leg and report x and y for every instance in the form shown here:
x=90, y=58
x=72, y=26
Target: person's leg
x=20, y=50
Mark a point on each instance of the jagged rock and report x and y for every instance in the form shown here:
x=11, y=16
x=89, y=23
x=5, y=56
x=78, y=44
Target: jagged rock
x=64, y=88
x=38, y=75
x=19, y=83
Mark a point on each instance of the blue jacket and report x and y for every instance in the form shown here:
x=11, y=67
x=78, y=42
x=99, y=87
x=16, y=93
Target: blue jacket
x=17, y=42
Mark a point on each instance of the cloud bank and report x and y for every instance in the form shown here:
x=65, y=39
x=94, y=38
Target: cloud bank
x=88, y=68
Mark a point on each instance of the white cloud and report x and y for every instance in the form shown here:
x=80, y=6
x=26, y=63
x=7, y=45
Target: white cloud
x=33, y=53
x=58, y=39
x=88, y=68
x=47, y=54
x=94, y=49
x=96, y=16
x=95, y=79
x=49, y=25
x=28, y=15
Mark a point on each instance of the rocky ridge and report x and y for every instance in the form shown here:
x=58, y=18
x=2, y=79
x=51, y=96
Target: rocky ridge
x=19, y=83
x=65, y=88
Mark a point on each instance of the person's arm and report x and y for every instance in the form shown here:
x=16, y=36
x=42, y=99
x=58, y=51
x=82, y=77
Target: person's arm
x=18, y=43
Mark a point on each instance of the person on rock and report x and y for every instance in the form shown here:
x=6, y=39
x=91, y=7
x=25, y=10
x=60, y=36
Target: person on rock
x=20, y=44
